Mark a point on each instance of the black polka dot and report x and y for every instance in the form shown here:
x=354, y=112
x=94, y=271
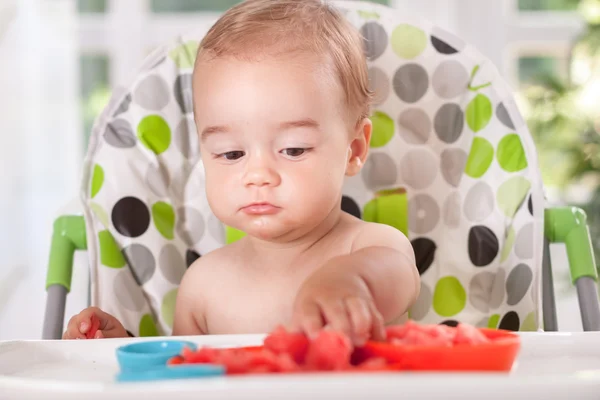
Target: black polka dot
x=130, y=217
x=483, y=245
x=530, y=205
x=350, y=206
x=190, y=257
x=450, y=322
x=442, y=47
x=424, y=253
x=510, y=322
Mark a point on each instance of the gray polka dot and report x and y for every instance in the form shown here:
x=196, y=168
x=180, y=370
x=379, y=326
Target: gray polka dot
x=127, y=292
x=379, y=171
x=180, y=180
x=483, y=323
x=422, y=305
x=124, y=106
x=486, y=290
x=411, y=82
x=451, y=210
x=157, y=179
x=186, y=139
x=119, y=134
x=503, y=116
x=479, y=202
x=152, y=93
x=448, y=122
x=183, y=93
x=497, y=296
x=452, y=163
x=141, y=261
x=418, y=168
x=450, y=79
x=415, y=126
x=524, y=242
x=379, y=84
x=171, y=263
x=423, y=214
x=480, y=290
x=190, y=225
x=375, y=39
x=216, y=229
x=517, y=284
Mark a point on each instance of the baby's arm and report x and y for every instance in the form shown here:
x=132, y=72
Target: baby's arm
x=189, y=308
x=360, y=292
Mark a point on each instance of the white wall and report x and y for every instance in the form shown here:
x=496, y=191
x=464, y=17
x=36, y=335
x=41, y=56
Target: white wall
x=40, y=152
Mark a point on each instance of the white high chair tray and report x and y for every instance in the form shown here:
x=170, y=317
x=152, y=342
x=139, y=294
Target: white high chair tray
x=550, y=366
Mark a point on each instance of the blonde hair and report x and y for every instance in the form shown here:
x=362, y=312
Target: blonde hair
x=257, y=28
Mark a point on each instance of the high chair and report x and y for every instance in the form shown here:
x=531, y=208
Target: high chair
x=451, y=164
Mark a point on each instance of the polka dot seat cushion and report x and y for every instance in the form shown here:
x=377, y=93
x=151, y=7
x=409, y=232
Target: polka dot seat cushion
x=451, y=164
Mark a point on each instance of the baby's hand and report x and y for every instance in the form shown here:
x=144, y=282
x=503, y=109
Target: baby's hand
x=93, y=323
x=338, y=299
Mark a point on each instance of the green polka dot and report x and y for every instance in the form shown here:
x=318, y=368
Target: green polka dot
x=147, y=326
x=449, y=297
x=233, y=235
x=508, y=244
x=383, y=129
x=479, y=112
x=529, y=323
x=480, y=158
x=511, y=195
x=368, y=14
x=154, y=132
x=389, y=207
x=97, y=180
x=100, y=214
x=164, y=219
x=168, y=307
x=184, y=56
x=510, y=154
x=493, y=321
x=408, y=41
x=110, y=253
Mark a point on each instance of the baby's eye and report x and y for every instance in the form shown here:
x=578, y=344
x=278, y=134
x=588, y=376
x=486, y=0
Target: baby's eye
x=233, y=155
x=294, y=151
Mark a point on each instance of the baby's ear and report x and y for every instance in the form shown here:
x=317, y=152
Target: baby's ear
x=359, y=147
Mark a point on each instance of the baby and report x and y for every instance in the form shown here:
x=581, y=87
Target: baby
x=281, y=103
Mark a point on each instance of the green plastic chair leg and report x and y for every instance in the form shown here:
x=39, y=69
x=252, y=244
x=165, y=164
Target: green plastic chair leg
x=568, y=225
x=68, y=236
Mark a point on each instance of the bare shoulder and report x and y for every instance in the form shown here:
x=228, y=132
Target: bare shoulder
x=372, y=234
x=200, y=283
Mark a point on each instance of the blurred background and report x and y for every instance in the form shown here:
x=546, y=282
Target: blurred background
x=60, y=60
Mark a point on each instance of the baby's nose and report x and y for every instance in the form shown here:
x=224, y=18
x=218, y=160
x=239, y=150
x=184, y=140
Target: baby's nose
x=261, y=173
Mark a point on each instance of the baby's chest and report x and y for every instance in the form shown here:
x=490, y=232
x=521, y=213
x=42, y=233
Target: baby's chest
x=248, y=310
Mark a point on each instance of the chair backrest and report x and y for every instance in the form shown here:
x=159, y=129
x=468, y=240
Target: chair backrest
x=452, y=164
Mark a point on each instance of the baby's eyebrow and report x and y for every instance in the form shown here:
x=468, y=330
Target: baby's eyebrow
x=301, y=123
x=210, y=130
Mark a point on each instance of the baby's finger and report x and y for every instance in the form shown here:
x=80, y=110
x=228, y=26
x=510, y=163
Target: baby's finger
x=72, y=331
x=377, y=324
x=310, y=319
x=336, y=316
x=99, y=335
x=360, y=318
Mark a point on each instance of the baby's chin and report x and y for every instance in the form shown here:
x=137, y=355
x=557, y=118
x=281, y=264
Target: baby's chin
x=270, y=230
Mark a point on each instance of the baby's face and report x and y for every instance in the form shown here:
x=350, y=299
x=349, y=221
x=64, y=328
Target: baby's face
x=275, y=143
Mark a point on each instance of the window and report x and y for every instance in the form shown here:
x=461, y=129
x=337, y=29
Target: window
x=91, y=6
x=94, y=91
x=548, y=5
x=532, y=69
x=187, y=6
